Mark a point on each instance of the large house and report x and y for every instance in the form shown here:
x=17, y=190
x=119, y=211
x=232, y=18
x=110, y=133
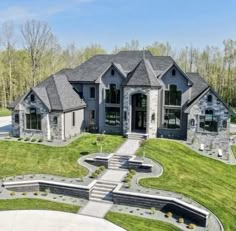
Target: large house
x=124, y=93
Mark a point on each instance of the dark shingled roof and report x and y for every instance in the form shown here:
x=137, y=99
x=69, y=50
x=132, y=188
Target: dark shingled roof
x=92, y=69
x=56, y=93
x=142, y=75
x=199, y=84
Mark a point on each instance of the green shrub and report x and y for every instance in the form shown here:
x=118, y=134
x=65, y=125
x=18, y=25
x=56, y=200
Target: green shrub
x=153, y=210
x=27, y=139
x=133, y=172
x=33, y=140
x=13, y=193
x=129, y=175
x=127, y=179
x=102, y=168
x=36, y=193
x=20, y=138
x=24, y=193
x=40, y=140
x=94, y=175
x=97, y=171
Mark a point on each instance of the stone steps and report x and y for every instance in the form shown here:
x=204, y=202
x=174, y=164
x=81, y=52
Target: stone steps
x=137, y=136
x=118, y=161
x=102, y=191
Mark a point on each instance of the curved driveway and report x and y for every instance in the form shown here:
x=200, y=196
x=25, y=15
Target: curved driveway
x=38, y=220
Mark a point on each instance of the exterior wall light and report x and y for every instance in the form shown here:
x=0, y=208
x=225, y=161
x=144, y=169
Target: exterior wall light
x=153, y=117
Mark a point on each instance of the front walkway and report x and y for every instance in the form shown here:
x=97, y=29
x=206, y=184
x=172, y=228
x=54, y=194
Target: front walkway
x=38, y=220
x=100, y=208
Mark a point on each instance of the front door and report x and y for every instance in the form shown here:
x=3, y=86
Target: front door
x=140, y=120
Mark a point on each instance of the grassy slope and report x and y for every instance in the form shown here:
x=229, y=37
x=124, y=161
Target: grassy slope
x=4, y=112
x=134, y=223
x=22, y=158
x=39, y=204
x=207, y=181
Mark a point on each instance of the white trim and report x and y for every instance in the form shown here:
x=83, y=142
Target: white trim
x=62, y=126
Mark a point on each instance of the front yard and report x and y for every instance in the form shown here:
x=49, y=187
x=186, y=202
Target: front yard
x=18, y=158
x=207, y=181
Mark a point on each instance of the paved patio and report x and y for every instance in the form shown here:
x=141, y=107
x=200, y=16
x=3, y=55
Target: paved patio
x=39, y=220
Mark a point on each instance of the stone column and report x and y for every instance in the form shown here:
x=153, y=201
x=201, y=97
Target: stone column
x=152, y=113
x=62, y=126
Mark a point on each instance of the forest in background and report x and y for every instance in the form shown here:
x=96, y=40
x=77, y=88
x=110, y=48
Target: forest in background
x=32, y=53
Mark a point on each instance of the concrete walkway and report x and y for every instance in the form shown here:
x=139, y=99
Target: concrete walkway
x=100, y=208
x=38, y=220
x=129, y=147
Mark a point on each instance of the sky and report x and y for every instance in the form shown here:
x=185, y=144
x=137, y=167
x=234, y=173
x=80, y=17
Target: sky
x=113, y=22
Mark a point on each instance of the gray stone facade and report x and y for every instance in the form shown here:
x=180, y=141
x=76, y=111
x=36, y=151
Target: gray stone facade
x=217, y=139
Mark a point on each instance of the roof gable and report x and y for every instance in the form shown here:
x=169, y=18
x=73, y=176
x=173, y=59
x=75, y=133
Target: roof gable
x=142, y=75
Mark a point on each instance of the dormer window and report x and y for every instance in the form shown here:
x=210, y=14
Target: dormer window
x=32, y=98
x=173, y=72
x=112, y=72
x=209, y=98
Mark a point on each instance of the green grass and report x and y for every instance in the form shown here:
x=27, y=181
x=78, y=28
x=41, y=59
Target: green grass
x=4, y=112
x=19, y=158
x=207, y=181
x=39, y=204
x=134, y=223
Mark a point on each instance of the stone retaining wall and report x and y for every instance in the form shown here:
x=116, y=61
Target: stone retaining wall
x=165, y=204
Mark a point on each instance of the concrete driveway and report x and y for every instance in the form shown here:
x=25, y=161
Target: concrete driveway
x=42, y=220
x=5, y=125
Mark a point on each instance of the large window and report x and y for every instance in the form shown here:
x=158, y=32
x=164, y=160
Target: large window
x=209, y=122
x=33, y=120
x=113, y=94
x=173, y=97
x=172, y=118
x=112, y=116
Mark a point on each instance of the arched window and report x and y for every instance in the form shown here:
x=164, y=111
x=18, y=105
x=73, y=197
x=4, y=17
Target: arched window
x=173, y=72
x=32, y=98
x=55, y=120
x=209, y=98
x=112, y=72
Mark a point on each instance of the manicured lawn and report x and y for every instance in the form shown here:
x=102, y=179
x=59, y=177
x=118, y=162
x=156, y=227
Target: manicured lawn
x=134, y=223
x=210, y=182
x=18, y=158
x=39, y=204
x=4, y=112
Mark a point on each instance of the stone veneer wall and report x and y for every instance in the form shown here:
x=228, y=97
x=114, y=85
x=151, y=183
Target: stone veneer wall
x=215, y=139
x=152, y=99
x=24, y=108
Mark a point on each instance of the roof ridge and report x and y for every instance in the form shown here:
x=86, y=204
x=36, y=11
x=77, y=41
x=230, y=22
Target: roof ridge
x=146, y=67
x=53, y=78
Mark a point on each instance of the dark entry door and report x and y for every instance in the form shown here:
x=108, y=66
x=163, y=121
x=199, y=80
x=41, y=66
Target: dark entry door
x=140, y=120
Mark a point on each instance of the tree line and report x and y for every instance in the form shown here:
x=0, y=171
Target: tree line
x=31, y=54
